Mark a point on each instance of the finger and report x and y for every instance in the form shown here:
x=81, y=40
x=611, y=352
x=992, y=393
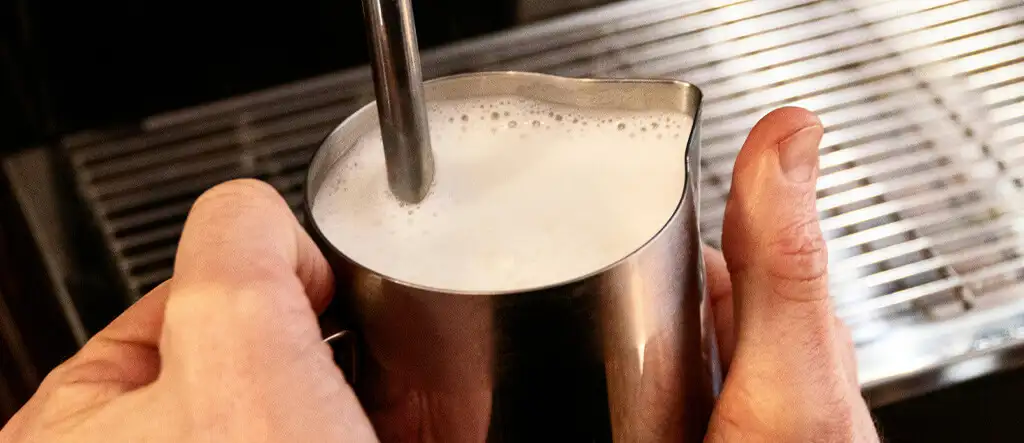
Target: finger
x=772, y=242
x=243, y=231
x=777, y=260
x=141, y=322
x=241, y=321
x=247, y=280
x=720, y=291
x=124, y=355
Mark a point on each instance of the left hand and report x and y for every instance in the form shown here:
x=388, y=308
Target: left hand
x=229, y=350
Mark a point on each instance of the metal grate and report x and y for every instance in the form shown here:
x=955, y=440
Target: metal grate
x=923, y=158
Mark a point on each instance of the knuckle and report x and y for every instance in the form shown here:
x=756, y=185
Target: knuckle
x=238, y=308
x=800, y=243
x=812, y=288
x=229, y=302
x=798, y=261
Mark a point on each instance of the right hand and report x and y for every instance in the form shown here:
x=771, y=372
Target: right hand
x=792, y=375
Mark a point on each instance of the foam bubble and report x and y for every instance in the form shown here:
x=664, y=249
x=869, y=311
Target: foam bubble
x=513, y=206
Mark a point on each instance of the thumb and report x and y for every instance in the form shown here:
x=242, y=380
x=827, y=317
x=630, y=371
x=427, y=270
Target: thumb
x=240, y=343
x=787, y=378
x=772, y=241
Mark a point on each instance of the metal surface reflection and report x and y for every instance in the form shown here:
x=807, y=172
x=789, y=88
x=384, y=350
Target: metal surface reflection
x=625, y=354
x=923, y=159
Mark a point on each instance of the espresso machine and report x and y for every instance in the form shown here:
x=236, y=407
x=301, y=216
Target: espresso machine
x=921, y=159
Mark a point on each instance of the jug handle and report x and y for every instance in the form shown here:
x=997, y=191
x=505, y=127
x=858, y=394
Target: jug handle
x=344, y=346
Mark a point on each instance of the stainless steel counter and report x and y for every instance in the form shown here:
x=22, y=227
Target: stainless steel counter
x=923, y=159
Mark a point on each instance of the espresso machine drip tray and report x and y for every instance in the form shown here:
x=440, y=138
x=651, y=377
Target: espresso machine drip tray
x=923, y=159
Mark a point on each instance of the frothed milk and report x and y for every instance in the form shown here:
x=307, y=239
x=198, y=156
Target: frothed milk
x=526, y=195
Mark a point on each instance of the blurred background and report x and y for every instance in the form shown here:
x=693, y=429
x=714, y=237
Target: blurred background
x=117, y=115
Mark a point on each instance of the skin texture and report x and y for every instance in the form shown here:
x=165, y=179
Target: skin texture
x=229, y=350
x=792, y=373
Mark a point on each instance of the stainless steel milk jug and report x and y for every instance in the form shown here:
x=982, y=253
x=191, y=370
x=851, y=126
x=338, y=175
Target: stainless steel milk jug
x=626, y=354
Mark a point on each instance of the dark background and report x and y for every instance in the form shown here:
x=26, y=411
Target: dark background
x=71, y=65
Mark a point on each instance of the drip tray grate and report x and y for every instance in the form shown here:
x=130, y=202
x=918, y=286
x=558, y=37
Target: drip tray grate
x=923, y=158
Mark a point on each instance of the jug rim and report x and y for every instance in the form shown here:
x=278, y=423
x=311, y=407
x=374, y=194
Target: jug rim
x=690, y=99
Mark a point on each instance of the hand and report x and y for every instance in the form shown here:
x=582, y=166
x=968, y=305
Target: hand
x=792, y=375
x=229, y=350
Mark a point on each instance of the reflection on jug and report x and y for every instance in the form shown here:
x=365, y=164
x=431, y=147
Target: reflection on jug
x=549, y=287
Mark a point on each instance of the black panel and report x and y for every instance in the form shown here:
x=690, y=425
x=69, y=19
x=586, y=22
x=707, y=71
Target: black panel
x=982, y=410
x=95, y=64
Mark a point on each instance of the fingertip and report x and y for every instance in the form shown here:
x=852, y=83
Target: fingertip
x=773, y=192
x=248, y=190
x=237, y=223
x=773, y=129
x=791, y=117
x=783, y=122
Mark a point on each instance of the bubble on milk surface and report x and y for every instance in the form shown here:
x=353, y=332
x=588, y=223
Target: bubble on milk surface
x=498, y=116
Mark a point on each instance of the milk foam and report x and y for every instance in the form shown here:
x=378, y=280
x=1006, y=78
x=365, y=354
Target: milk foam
x=526, y=194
